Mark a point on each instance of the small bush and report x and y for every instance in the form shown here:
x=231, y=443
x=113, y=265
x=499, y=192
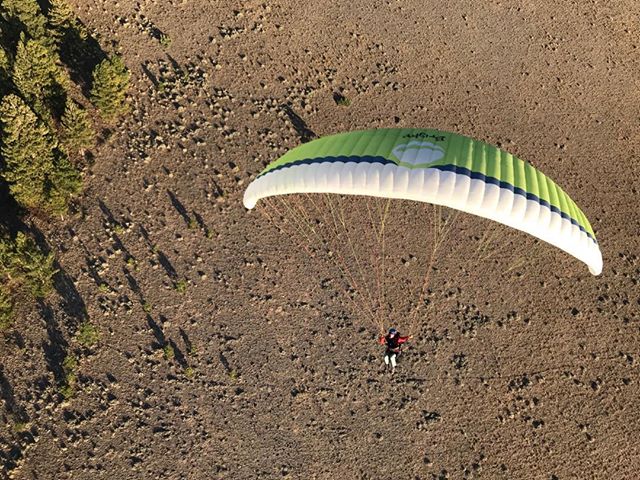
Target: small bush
x=341, y=100
x=181, y=286
x=87, y=334
x=67, y=391
x=168, y=351
x=70, y=363
x=20, y=427
x=69, y=366
x=165, y=40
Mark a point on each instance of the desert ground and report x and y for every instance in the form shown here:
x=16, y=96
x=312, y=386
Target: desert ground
x=523, y=365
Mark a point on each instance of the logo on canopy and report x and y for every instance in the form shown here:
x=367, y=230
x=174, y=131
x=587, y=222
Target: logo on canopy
x=417, y=154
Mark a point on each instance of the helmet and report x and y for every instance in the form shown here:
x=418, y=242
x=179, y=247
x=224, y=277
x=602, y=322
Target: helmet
x=392, y=331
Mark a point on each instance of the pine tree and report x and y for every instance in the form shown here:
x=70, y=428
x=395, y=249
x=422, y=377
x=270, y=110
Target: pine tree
x=5, y=71
x=63, y=183
x=29, y=14
x=22, y=262
x=6, y=308
x=61, y=18
x=77, y=133
x=26, y=145
x=6, y=256
x=35, y=267
x=7, y=277
x=38, y=76
x=5, y=62
x=110, y=84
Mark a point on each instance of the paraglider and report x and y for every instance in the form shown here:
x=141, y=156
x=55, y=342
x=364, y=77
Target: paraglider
x=430, y=166
x=393, y=342
x=436, y=167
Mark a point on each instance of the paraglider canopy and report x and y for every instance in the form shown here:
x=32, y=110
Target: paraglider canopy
x=440, y=168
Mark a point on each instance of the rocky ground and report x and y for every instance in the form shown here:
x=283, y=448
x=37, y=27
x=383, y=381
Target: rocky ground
x=226, y=352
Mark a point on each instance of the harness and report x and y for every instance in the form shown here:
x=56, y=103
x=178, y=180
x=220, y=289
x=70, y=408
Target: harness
x=392, y=344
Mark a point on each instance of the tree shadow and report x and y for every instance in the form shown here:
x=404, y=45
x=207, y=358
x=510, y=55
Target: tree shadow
x=185, y=339
x=166, y=264
x=89, y=159
x=11, y=26
x=9, y=459
x=17, y=413
x=151, y=28
x=10, y=211
x=117, y=243
x=178, y=355
x=179, y=207
x=225, y=362
x=174, y=64
x=107, y=213
x=200, y=221
x=161, y=340
x=217, y=190
x=16, y=338
x=80, y=52
x=300, y=126
x=55, y=349
x=145, y=235
x=72, y=303
x=150, y=75
x=93, y=271
x=133, y=284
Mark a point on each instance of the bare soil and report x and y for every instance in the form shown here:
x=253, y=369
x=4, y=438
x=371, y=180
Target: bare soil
x=226, y=352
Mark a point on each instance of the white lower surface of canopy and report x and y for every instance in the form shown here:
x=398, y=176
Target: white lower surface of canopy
x=435, y=186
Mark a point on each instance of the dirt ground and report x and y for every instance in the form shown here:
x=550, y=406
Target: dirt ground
x=226, y=352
